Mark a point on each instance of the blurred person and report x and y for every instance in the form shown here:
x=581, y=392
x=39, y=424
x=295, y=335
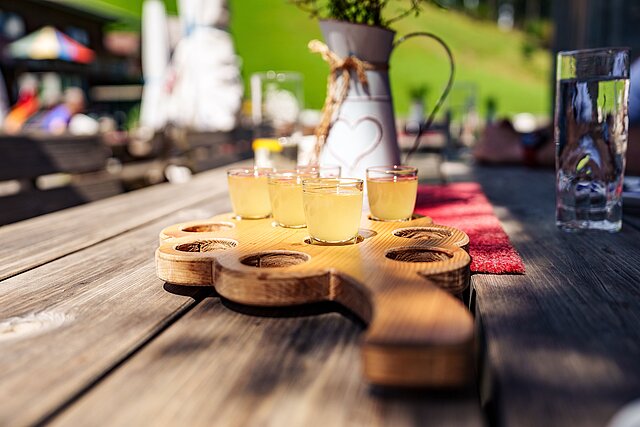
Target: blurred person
x=57, y=120
x=500, y=143
x=81, y=124
x=50, y=96
x=26, y=106
x=50, y=90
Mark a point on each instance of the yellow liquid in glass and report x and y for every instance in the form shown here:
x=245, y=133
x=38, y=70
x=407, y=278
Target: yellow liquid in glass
x=392, y=200
x=286, y=203
x=250, y=196
x=333, y=215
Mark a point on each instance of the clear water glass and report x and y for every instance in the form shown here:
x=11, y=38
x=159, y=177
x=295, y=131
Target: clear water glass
x=592, y=88
x=277, y=99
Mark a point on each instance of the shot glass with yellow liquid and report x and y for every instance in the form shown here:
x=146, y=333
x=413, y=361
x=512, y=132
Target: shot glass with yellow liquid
x=332, y=208
x=392, y=192
x=249, y=192
x=285, y=192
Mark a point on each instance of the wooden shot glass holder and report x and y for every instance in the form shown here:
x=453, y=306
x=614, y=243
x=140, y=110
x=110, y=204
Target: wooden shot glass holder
x=401, y=278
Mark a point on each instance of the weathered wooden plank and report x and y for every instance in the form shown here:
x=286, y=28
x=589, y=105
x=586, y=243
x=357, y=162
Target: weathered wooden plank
x=219, y=367
x=33, y=242
x=68, y=322
x=564, y=339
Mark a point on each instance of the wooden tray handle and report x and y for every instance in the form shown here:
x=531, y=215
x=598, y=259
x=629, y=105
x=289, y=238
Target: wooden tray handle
x=418, y=336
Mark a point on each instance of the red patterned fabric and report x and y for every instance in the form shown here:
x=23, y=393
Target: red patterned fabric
x=464, y=206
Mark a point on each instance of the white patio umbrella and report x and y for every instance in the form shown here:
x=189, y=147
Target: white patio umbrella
x=207, y=93
x=155, y=62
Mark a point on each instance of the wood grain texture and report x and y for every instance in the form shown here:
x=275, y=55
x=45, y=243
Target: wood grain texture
x=564, y=339
x=216, y=367
x=67, y=323
x=418, y=335
x=61, y=233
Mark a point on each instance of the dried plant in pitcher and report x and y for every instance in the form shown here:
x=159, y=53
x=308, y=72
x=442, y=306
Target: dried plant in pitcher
x=367, y=12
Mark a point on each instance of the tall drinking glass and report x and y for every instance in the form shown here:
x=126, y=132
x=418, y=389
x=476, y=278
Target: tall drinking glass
x=592, y=88
x=277, y=100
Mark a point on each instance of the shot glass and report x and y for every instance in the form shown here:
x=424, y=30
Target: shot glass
x=332, y=208
x=324, y=171
x=592, y=88
x=285, y=192
x=392, y=192
x=249, y=192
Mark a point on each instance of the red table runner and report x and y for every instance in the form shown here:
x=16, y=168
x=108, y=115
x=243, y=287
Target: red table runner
x=464, y=206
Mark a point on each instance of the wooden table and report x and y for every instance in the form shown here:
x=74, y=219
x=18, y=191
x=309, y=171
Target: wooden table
x=90, y=336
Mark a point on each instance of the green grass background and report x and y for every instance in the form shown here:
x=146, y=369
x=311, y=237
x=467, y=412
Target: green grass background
x=273, y=35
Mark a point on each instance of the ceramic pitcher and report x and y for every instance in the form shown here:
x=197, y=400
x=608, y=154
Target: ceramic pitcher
x=364, y=131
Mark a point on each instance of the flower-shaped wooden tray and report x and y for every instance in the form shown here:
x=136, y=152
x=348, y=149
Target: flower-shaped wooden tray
x=401, y=278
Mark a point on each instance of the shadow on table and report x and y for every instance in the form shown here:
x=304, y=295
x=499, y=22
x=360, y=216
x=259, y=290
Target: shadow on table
x=196, y=292
x=304, y=310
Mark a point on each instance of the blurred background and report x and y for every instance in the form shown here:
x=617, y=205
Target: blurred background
x=98, y=97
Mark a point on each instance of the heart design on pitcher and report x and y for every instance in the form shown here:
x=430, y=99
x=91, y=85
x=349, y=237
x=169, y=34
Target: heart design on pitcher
x=359, y=127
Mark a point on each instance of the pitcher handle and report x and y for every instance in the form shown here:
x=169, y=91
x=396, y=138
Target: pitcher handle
x=444, y=94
